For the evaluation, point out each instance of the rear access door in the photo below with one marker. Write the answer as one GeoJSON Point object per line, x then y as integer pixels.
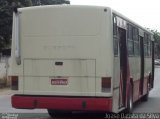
{"type": "Point", "coordinates": [142, 65]}
{"type": "Point", "coordinates": [70, 77]}
{"type": "Point", "coordinates": [123, 66]}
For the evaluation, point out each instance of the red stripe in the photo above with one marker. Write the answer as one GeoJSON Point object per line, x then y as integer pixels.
{"type": "Point", "coordinates": [62, 103]}
{"type": "Point", "coordinates": [145, 86]}
{"type": "Point", "coordinates": [136, 90]}
{"type": "Point", "coordinates": [121, 86]}
{"type": "Point", "coordinates": [137, 86]}
{"type": "Point", "coordinates": [146, 89]}
{"type": "Point", "coordinates": [128, 81]}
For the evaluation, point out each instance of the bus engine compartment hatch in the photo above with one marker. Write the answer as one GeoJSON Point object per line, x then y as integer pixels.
{"type": "Point", "coordinates": [68, 77]}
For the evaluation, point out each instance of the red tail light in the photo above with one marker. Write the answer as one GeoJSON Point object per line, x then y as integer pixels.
{"type": "Point", "coordinates": [14, 82]}
{"type": "Point", "coordinates": [106, 84]}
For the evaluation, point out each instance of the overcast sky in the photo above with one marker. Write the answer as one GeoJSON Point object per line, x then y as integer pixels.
{"type": "Point", "coordinates": [144, 12]}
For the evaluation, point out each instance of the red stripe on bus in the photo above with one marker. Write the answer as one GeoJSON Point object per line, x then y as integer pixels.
{"type": "Point", "coordinates": [137, 86]}
{"type": "Point", "coordinates": [145, 86]}
{"type": "Point", "coordinates": [146, 89]}
{"type": "Point", "coordinates": [121, 86]}
{"type": "Point", "coordinates": [62, 103]}
{"type": "Point", "coordinates": [136, 90]}
{"type": "Point", "coordinates": [128, 82]}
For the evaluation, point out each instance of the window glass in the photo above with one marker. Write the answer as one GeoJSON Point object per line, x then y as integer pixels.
{"type": "Point", "coordinates": [145, 38]}
{"type": "Point", "coordinates": [115, 46]}
{"type": "Point", "coordinates": [115, 39]}
{"type": "Point", "coordinates": [114, 26]}
{"type": "Point", "coordinates": [145, 50]}
{"type": "Point", "coordinates": [130, 44]}
{"type": "Point", "coordinates": [147, 45]}
{"type": "Point", "coordinates": [135, 34]}
{"type": "Point", "coordinates": [136, 48]}
{"type": "Point", "coordinates": [133, 40]}
{"type": "Point", "coordinates": [130, 47]}
{"type": "Point", "coordinates": [129, 32]}
{"type": "Point", "coordinates": [150, 48]}
{"type": "Point", "coordinates": [149, 51]}
{"type": "Point", "coordinates": [136, 41]}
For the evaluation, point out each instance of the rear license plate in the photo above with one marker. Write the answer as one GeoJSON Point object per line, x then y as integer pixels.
{"type": "Point", "coordinates": [59, 81]}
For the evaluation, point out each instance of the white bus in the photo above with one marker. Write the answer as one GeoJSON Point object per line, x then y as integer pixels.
{"type": "Point", "coordinates": [79, 58]}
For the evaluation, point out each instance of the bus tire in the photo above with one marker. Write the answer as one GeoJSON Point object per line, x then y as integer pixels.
{"type": "Point", "coordinates": [130, 101]}
{"type": "Point", "coordinates": [54, 113]}
{"type": "Point", "coordinates": [145, 97]}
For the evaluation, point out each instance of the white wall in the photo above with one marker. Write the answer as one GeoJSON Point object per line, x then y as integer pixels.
{"type": "Point", "coordinates": [4, 70]}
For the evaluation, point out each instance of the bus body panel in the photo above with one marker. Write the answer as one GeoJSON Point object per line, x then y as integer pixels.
{"type": "Point", "coordinates": [73, 77]}
{"type": "Point", "coordinates": [72, 35]}
{"type": "Point", "coordinates": [67, 56]}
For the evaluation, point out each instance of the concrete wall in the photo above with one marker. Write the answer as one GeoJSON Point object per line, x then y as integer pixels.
{"type": "Point", "coordinates": [4, 67]}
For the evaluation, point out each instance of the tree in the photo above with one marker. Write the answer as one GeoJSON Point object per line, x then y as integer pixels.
{"type": "Point", "coordinates": [6, 13]}
{"type": "Point", "coordinates": [5, 23]}
{"type": "Point", "coordinates": [49, 2]}
{"type": "Point", "coordinates": [156, 36]}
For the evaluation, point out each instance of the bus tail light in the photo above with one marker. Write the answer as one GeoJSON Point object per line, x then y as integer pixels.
{"type": "Point", "coordinates": [14, 82]}
{"type": "Point", "coordinates": [106, 84]}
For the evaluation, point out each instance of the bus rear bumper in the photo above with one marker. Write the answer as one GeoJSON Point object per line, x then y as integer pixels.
{"type": "Point", "coordinates": [61, 103]}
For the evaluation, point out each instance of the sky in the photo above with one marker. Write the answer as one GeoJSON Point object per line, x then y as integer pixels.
{"type": "Point", "coordinates": [144, 12]}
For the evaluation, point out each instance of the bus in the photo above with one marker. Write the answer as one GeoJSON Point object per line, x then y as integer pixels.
{"type": "Point", "coordinates": [79, 58]}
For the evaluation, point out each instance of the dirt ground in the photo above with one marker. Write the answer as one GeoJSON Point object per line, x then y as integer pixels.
{"type": "Point", "coordinates": [5, 91]}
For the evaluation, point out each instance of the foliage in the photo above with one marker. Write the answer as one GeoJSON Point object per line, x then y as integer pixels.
{"type": "Point", "coordinates": [5, 23]}
{"type": "Point", "coordinates": [6, 12]}
{"type": "Point", "coordinates": [157, 43]}
{"type": "Point", "coordinates": [49, 2]}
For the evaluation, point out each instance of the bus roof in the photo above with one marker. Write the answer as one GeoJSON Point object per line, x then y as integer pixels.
{"type": "Point", "coordinates": [85, 6]}
{"type": "Point", "coordinates": [129, 20]}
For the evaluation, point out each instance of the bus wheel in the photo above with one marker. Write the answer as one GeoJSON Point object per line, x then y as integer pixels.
{"type": "Point", "coordinates": [130, 101]}
{"type": "Point", "coordinates": [145, 97]}
{"type": "Point", "coordinates": [53, 113]}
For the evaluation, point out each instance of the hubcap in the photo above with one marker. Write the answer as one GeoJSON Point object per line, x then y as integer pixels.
{"type": "Point", "coordinates": [130, 102]}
